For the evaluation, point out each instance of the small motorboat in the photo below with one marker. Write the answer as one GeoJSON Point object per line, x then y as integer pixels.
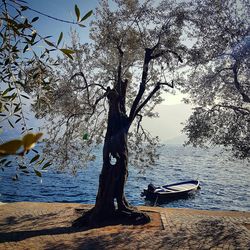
{"type": "Point", "coordinates": [171, 191]}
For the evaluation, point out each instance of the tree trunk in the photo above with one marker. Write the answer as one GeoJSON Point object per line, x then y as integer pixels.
{"type": "Point", "coordinates": [115, 163]}
{"type": "Point", "coordinates": [114, 170]}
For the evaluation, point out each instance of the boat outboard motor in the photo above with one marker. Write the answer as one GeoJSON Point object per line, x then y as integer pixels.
{"type": "Point", "coordinates": [151, 187]}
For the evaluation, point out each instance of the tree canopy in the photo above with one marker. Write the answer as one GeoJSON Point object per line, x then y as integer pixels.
{"type": "Point", "coordinates": [78, 101]}
{"type": "Point", "coordinates": [218, 76]}
{"type": "Point", "coordinates": [208, 60]}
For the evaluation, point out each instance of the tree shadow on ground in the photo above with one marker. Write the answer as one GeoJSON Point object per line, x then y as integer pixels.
{"type": "Point", "coordinates": [206, 234]}
{"type": "Point", "coordinates": [118, 240]}
{"type": "Point", "coordinates": [17, 228]}
{"type": "Point", "coordinates": [25, 234]}
{"type": "Point", "coordinates": [14, 229]}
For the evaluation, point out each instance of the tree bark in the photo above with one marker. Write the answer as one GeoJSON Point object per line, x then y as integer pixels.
{"type": "Point", "coordinates": [115, 163]}
{"type": "Point", "coordinates": [114, 170]}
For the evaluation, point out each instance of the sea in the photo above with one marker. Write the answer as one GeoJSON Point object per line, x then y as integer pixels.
{"type": "Point", "coordinates": [224, 181]}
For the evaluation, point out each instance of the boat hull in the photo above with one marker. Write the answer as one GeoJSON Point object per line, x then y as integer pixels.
{"type": "Point", "coordinates": [175, 191]}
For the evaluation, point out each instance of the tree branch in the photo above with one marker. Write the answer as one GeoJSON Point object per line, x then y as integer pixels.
{"type": "Point", "coordinates": [156, 88]}
{"type": "Point", "coordinates": [85, 80]}
{"type": "Point", "coordinates": [147, 58]}
{"type": "Point", "coordinates": [163, 28]}
{"type": "Point", "coordinates": [86, 83]}
{"type": "Point", "coordinates": [167, 84]}
{"type": "Point", "coordinates": [119, 70]}
{"type": "Point", "coordinates": [97, 101]}
{"type": "Point", "coordinates": [238, 86]}
{"type": "Point", "coordinates": [161, 53]}
{"type": "Point", "coordinates": [243, 111]}
{"type": "Point", "coordinates": [139, 122]}
{"type": "Point", "coordinates": [87, 88]}
{"type": "Point", "coordinates": [43, 14]}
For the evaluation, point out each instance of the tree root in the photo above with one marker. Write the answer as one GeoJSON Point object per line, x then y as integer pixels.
{"type": "Point", "coordinates": [125, 217]}
{"type": "Point", "coordinates": [132, 217]}
{"type": "Point", "coordinates": [84, 220]}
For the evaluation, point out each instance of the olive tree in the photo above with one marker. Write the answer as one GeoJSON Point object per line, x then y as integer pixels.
{"type": "Point", "coordinates": [218, 76]}
{"type": "Point", "coordinates": [103, 94]}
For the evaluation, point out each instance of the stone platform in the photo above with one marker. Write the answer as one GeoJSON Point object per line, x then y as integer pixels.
{"type": "Point", "coordinates": [32, 225]}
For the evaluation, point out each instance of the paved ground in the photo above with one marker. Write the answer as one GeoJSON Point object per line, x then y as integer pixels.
{"type": "Point", "coordinates": [28, 225]}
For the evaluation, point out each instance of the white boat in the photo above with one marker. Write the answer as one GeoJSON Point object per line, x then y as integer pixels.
{"type": "Point", "coordinates": [171, 191]}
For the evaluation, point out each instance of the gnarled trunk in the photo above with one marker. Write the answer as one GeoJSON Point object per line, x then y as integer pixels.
{"type": "Point", "coordinates": [115, 163]}
{"type": "Point", "coordinates": [114, 171]}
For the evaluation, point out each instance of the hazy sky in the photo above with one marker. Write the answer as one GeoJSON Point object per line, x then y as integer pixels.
{"type": "Point", "coordinates": [168, 126]}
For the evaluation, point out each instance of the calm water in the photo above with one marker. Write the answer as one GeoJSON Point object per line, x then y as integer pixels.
{"type": "Point", "coordinates": [224, 183]}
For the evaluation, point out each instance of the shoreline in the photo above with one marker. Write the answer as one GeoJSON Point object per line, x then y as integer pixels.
{"type": "Point", "coordinates": [141, 206]}
{"type": "Point", "coordinates": [40, 225]}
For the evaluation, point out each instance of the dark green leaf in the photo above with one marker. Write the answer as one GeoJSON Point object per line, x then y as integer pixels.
{"type": "Point", "coordinates": [13, 96]}
{"type": "Point", "coordinates": [22, 166]}
{"type": "Point", "coordinates": [68, 52]}
{"type": "Point", "coordinates": [25, 48]}
{"type": "Point", "coordinates": [39, 174]}
{"type": "Point", "coordinates": [34, 150]}
{"type": "Point", "coordinates": [40, 162]}
{"type": "Point", "coordinates": [82, 25]}
{"type": "Point", "coordinates": [46, 165]}
{"type": "Point", "coordinates": [3, 161]}
{"type": "Point", "coordinates": [34, 19]}
{"type": "Point", "coordinates": [18, 120]}
{"type": "Point", "coordinates": [49, 43]}
{"type": "Point", "coordinates": [6, 91]}
{"type": "Point", "coordinates": [60, 38]}
{"type": "Point", "coordinates": [85, 136]}
{"type": "Point", "coordinates": [11, 124]}
{"type": "Point", "coordinates": [36, 157]}
{"type": "Point", "coordinates": [35, 75]}
{"type": "Point", "coordinates": [6, 61]}
{"type": "Point", "coordinates": [87, 15]}
{"type": "Point", "coordinates": [23, 8]}
{"type": "Point", "coordinates": [6, 107]}
{"type": "Point", "coordinates": [25, 96]}
{"type": "Point", "coordinates": [17, 108]}
{"type": "Point", "coordinates": [7, 164]}
{"type": "Point", "coordinates": [77, 11]}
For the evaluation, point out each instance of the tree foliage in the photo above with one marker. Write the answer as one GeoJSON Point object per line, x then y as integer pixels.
{"type": "Point", "coordinates": [122, 38]}
{"type": "Point", "coordinates": [25, 57]}
{"type": "Point", "coordinates": [203, 52]}
{"type": "Point", "coordinates": [218, 76]}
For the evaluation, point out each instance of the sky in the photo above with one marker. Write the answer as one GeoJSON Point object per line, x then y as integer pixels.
{"type": "Point", "coordinates": [62, 9]}
{"type": "Point", "coordinates": [169, 124]}
{"type": "Point", "coordinates": [171, 113]}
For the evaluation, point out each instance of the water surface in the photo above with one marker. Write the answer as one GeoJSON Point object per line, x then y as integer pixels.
{"type": "Point", "coordinates": [224, 182]}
